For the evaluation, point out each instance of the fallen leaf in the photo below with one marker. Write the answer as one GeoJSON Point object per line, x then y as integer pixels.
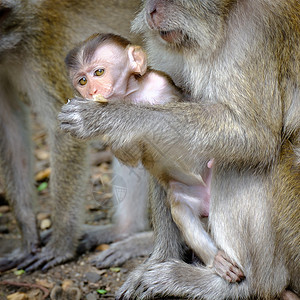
{"type": "Point", "coordinates": [115, 269]}
{"type": "Point", "coordinates": [102, 247]}
{"type": "Point", "coordinates": [42, 175]}
{"type": "Point", "coordinates": [42, 186]}
{"type": "Point", "coordinates": [102, 292]}
{"type": "Point", "coordinates": [17, 296]}
{"type": "Point", "coordinates": [35, 295]}
{"type": "Point", "coordinates": [45, 283]}
{"type": "Point", "coordinates": [67, 283]}
{"type": "Point", "coordinates": [19, 272]}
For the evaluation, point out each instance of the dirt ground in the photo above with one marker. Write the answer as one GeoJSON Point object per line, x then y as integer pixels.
{"type": "Point", "coordinates": [87, 280]}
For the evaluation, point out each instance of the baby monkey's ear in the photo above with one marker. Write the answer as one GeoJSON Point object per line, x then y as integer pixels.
{"type": "Point", "coordinates": [138, 59]}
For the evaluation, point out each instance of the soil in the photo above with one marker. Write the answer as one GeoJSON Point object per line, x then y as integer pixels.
{"type": "Point", "coordinates": [87, 280]}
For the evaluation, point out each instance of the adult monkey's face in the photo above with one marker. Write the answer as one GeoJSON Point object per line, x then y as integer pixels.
{"type": "Point", "coordinates": [182, 23]}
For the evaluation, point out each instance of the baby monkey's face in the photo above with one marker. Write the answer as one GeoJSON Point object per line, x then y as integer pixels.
{"type": "Point", "coordinates": [99, 76]}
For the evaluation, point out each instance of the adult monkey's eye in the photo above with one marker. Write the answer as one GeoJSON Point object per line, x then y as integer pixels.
{"type": "Point", "coordinates": [82, 81]}
{"type": "Point", "coordinates": [99, 72]}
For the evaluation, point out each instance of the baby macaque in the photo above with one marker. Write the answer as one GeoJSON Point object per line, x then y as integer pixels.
{"type": "Point", "coordinates": [106, 67]}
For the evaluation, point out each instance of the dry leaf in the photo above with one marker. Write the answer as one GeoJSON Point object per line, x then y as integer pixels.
{"type": "Point", "coordinates": [43, 215]}
{"type": "Point", "coordinates": [45, 283]}
{"type": "Point", "coordinates": [42, 175]}
{"type": "Point", "coordinates": [35, 295]}
{"type": "Point", "coordinates": [17, 296]}
{"type": "Point", "coordinates": [102, 247]}
{"type": "Point", "coordinates": [67, 283]}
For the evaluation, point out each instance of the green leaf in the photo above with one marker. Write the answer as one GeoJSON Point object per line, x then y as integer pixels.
{"type": "Point", "coordinates": [19, 272]}
{"type": "Point", "coordinates": [102, 292]}
{"type": "Point", "coordinates": [42, 186]}
{"type": "Point", "coordinates": [115, 269]}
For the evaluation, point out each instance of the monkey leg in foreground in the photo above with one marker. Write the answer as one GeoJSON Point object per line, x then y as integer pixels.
{"type": "Point", "coordinates": [165, 274]}
{"type": "Point", "coordinates": [137, 285]}
{"type": "Point", "coordinates": [190, 207]}
{"type": "Point", "coordinates": [288, 224]}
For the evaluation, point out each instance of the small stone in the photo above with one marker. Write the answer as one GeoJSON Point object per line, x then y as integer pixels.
{"type": "Point", "coordinates": [45, 224]}
{"type": "Point", "coordinates": [93, 286]}
{"type": "Point", "coordinates": [42, 155]}
{"type": "Point", "coordinates": [4, 209]}
{"type": "Point", "coordinates": [57, 275]}
{"type": "Point", "coordinates": [92, 277]}
{"type": "Point", "coordinates": [91, 296]}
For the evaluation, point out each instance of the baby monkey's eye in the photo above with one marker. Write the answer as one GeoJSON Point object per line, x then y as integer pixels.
{"type": "Point", "coordinates": [82, 81]}
{"type": "Point", "coordinates": [99, 72]}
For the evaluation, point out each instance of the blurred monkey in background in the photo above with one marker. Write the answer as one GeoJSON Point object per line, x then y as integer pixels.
{"type": "Point", "coordinates": [35, 37]}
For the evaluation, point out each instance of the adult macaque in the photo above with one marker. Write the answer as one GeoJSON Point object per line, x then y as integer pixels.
{"type": "Point", "coordinates": [107, 66]}
{"type": "Point", "coordinates": [240, 62]}
{"type": "Point", "coordinates": [35, 37]}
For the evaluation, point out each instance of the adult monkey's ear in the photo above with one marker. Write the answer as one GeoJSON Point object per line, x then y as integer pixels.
{"type": "Point", "coordinates": [138, 59]}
